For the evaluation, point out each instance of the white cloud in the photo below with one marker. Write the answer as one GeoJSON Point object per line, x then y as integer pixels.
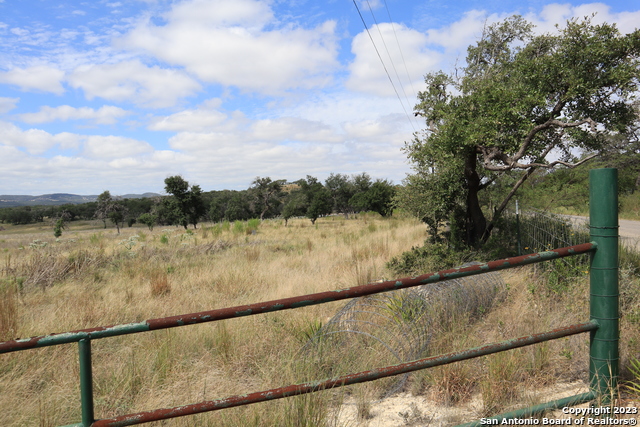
{"type": "Point", "coordinates": [558, 14]}
{"type": "Point", "coordinates": [293, 129]}
{"type": "Point", "coordinates": [134, 82]}
{"type": "Point", "coordinates": [114, 147]}
{"type": "Point", "coordinates": [35, 141]}
{"type": "Point", "coordinates": [198, 120]}
{"type": "Point", "coordinates": [464, 32]}
{"type": "Point", "coordinates": [227, 42]}
{"type": "Point", "coordinates": [42, 78]}
{"type": "Point", "coordinates": [7, 104]}
{"type": "Point", "coordinates": [369, 76]}
{"type": "Point", "coordinates": [106, 114]}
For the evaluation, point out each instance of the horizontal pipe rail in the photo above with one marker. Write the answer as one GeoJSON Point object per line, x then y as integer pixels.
{"type": "Point", "coordinates": [375, 374]}
{"type": "Point", "coordinates": [290, 303]}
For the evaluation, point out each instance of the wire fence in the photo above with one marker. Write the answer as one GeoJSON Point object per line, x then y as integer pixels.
{"type": "Point", "coordinates": [536, 230]}
{"type": "Point", "coordinates": [398, 326]}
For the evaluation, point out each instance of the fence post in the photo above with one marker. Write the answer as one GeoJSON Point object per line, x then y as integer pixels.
{"type": "Point", "coordinates": [604, 353]}
{"type": "Point", "coordinates": [86, 382]}
{"type": "Point", "coordinates": [518, 228]}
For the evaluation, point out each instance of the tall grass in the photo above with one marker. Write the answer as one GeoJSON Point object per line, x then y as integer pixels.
{"type": "Point", "coordinates": [94, 279]}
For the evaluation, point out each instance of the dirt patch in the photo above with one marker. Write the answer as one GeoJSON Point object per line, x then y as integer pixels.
{"type": "Point", "coordinates": [405, 409]}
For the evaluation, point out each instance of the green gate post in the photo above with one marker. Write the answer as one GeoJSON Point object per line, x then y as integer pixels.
{"type": "Point", "coordinates": [604, 355]}
{"type": "Point", "coordinates": [86, 382]}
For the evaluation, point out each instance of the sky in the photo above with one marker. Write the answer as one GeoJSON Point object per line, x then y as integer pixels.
{"type": "Point", "coordinates": [119, 95]}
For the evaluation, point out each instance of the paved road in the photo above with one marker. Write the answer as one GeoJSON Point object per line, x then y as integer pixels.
{"type": "Point", "coordinates": [629, 230]}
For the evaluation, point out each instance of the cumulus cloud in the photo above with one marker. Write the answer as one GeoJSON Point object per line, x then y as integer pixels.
{"type": "Point", "coordinates": [236, 43]}
{"type": "Point", "coordinates": [7, 104]}
{"type": "Point", "coordinates": [558, 14]}
{"type": "Point", "coordinates": [112, 147]}
{"type": "Point", "coordinates": [196, 120]}
{"type": "Point", "coordinates": [134, 82]}
{"type": "Point", "coordinates": [106, 114]}
{"type": "Point", "coordinates": [40, 78]}
{"type": "Point", "coordinates": [368, 75]}
{"type": "Point", "coordinates": [293, 129]}
{"type": "Point", "coordinates": [35, 141]}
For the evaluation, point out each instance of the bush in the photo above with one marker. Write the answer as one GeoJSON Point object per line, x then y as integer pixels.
{"type": "Point", "coordinates": [428, 258]}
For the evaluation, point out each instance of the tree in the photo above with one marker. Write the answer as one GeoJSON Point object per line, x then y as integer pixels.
{"type": "Point", "coordinates": [186, 207]}
{"type": "Point", "coordinates": [267, 194]}
{"type": "Point", "coordinates": [104, 206]}
{"type": "Point", "coordinates": [110, 208]}
{"type": "Point", "coordinates": [117, 214]}
{"type": "Point", "coordinates": [294, 205]}
{"type": "Point", "coordinates": [519, 98]}
{"type": "Point", "coordinates": [378, 198]}
{"type": "Point", "coordinates": [342, 189]}
{"type": "Point", "coordinates": [148, 219]}
{"type": "Point", "coordinates": [318, 198]}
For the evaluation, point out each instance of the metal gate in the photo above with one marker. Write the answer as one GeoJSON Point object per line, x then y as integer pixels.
{"type": "Point", "coordinates": [603, 325]}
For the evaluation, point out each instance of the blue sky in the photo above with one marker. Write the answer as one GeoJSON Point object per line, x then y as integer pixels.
{"type": "Point", "coordinates": [119, 95]}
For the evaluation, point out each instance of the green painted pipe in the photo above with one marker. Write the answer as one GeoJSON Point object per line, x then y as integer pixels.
{"type": "Point", "coordinates": [86, 382]}
{"type": "Point", "coordinates": [604, 352]}
{"type": "Point", "coordinates": [534, 410]}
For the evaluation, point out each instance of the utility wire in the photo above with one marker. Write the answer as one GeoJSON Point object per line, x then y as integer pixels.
{"type": "Point", "coordinates": [406, 69]}
{"type": "Point", "coordinates": [383, 66]}
{"type": "Point", "coordinates": [406, 97]}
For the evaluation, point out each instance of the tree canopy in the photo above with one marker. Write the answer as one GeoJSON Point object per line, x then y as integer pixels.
{"type": "Point", "coordinates": [186, 207]}
{"type": "Point", "coordinates": [520, 98]}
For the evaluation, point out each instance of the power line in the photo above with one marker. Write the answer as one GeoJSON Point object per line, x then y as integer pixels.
{"type": "Point", "coordinates": [388, 53]}
{"type": "Point", "coordinates": [400, 49]}
{"type": "Point", "coordinates": [383, 66]}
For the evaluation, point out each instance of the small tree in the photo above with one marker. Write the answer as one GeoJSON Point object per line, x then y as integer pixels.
{"type": "Point", "coordinates": [318, 198]}
{"type": "Point", "coordinates": [295, 205]}
{"type": "Point", "coordinates": [112, 209]}
{"type": "Point", "coordinates": [104, 206]}
{"type": "Point", "coordinates": [342, 189]}
{"type": "Point", "coordinates": [378, 198]}
{"type": "Point", "coordinates": [267, 194]}
{"type": "Point", "coordinates": [187, 206]}
{"type": "Point", "coordinates": [148, 219]}
{"type": "Point", "coordinates": [60, 223]}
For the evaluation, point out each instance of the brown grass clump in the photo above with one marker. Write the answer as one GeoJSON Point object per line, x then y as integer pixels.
{"type": "Point", "coordinates": [8, 310]}
{"type": "Point", "coordinates": [159, 284]}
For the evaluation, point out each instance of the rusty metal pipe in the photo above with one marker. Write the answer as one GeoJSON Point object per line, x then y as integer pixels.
{"type": "Point", "coordinates": [310, 387]}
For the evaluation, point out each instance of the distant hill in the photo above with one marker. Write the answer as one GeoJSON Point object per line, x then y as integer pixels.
{"type": "Point", "coordinates": [59, 199]}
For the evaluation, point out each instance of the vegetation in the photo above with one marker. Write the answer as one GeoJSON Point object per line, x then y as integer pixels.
{"type": "Point", "coordinates": [135, 276]}
{"type": "Point", "coordinates": [265, 198]}
{"type": "Point", "coordinates": [146, 274]}
{"type": "Point", "coordinates": [186, 206]}
{"type": "Point", "coordinates": [519, 98]}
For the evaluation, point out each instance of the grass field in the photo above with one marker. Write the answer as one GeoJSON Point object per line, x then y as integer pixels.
{"type": "Point", "coordinates": [95, 277]}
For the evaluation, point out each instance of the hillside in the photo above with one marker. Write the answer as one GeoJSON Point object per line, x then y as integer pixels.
{"type": "Point", "coordinates": [7, 201]}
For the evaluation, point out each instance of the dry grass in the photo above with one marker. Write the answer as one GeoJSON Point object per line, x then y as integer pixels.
{"type": "Point", "coordinates": [93, 277]}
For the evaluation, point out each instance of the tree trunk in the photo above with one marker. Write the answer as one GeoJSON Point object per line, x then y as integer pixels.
{"type": "Point", "coordinates": [476, 222]}
{"type": "Point", "coordinates": [505, 202]}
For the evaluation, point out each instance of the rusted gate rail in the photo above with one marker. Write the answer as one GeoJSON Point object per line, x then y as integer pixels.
{"type": "Point", "coordinates": [603, 325]}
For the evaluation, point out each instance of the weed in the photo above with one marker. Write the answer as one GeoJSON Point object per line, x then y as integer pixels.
{"type": "Point", "coordinates": [238, 227]}
{"type": "Point", "coordinates": [8, 310]}
{"type": "Point", "coordinates": [159, 284]}
{"type": "Point", "coordinates": [633, 386]}
{"type": "Point", "coordinates": [414, 416]}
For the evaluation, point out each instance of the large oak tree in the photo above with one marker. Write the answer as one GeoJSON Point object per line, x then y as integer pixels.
{"type": "Point", "coordinates": [520, 98]}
